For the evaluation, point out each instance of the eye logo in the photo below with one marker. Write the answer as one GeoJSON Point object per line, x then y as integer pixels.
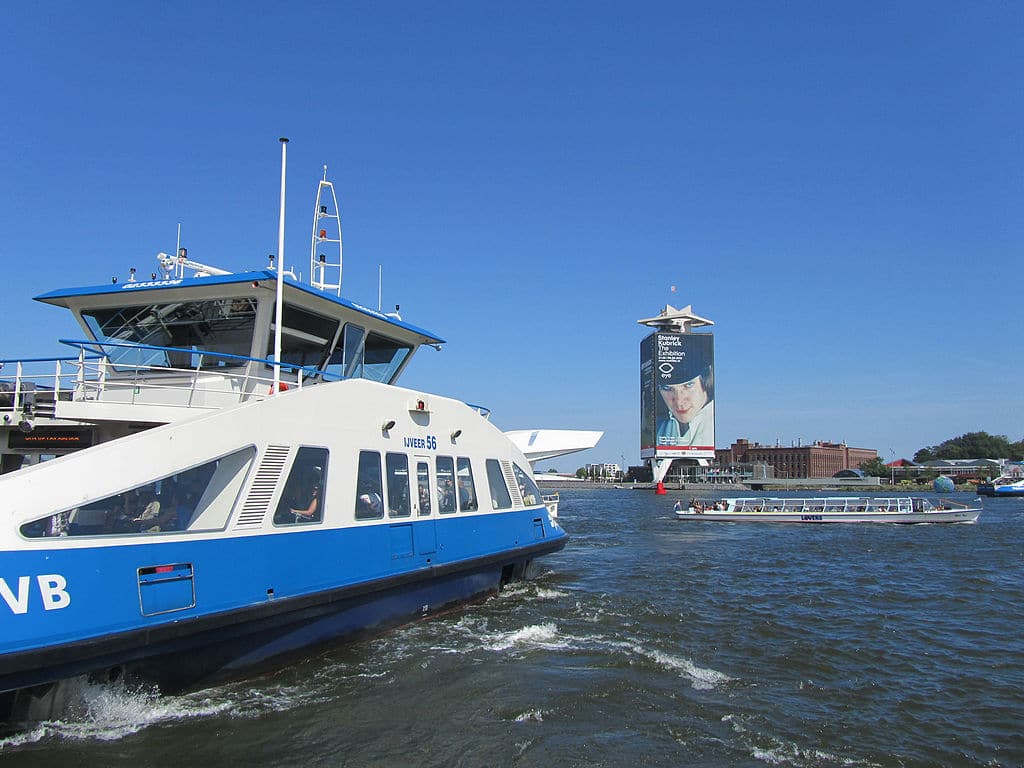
{"type": "Point", "coordinates": [666, 368]}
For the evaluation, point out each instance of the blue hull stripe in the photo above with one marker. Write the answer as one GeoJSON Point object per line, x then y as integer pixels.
{"type": "Point", "coordinates": [223, 641]}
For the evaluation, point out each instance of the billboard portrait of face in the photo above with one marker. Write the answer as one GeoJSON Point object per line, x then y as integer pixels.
{"type": "Point", "coordinates": [685, 404]}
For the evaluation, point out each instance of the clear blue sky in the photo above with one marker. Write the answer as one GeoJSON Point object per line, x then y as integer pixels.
{"type": "Point", "coordinates": [838, 186]}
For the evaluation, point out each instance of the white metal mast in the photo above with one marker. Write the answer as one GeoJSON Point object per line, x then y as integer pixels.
{"type": "Point", "coordinates": [280, 276]}
{"type": "Point", "coordinates": [324, 270]}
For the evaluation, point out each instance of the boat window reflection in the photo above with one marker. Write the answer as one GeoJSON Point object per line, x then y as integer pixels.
{"type": "Point", "coordinates": [466, 487]}
{"type": "Point", "coordinates": [306, 337]}
{"type": "Point", "coordinates": [217, 325]}
{"type": "Point", "coordinates": [445, 470]}
{"type": "Point", "coordinates": [527, 487]}
{"type": "Point", "coordinates": [500, 498]}
{"type": "Point", "coordinates": [197, 499]}
{"type": "Point", "coordinates": [398, 485]}
{"type": "Point", "coordinates": [369, 491]}
{"type": "Point", "coordinates": [383, 358]}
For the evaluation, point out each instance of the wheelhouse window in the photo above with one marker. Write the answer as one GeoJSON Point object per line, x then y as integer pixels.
{"type": "Point", "coordinates": [196, 499]}
{"type": "Point", "coordinates": [306, 338]}
{"type": "Point", "coordinates": [353, 352]}
{"type": "Point", "coordinates": [302, 500]}
{"type": "Point", "coordinates": [398, 485]}
{"type": "Point", "coordinates": [368, 356]}
{"type": "Point", "coordinates": [527, 487]}
{"type": "Point", "coordinates": [193, 327]}
{"type": "Point", "coordinates": [466, 487]}
{"type": "Point", "coordinates": [444, 468]}
{"type": "Point", "coordinates": [369, 491]}
{"type": "Point", "coordinates": [500, 498]}
{"type": "Point", "coordinates": [383, 358]}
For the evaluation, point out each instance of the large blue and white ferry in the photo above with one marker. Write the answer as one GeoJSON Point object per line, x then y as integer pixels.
{"type": "Point", "coordinates": [1009, 483]}
{"type": "Point", "coordinates": [236, 475]}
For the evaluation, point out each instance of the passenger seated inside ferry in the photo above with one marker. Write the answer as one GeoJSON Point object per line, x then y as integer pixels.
{"type": "Point", "coordinates": [370, 504]}
{"type": "Point", "coordinates": [310, 499]}
{"type": "Point", "coordinates": [445, 496]}
{"type": "Point", "coordinates": [369, 489]}
{"type": "Point", "coordinates": [300, 502]}
{"type": "Point", "coordinates": [150, 510]}
{"type": "Point", "coordinates": [174, 514]}
{"type": "Point", "coordinates": [302, 499]}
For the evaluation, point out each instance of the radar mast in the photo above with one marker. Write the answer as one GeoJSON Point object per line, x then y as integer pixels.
{"type": "Point", "coordinates": [324, 261]}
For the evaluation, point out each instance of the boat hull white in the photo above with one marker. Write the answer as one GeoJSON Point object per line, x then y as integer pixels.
{"type": "Point", "coordinates": [943, 516]}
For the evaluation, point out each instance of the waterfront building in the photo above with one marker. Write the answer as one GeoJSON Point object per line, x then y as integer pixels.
{"type": "Point", "coordinates": [603, 471]}
{"type": "Point", "coordinates": [818, 459]}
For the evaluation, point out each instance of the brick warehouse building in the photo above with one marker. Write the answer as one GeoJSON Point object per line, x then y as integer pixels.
{"type": "Point", "coordinates": [820, 459]}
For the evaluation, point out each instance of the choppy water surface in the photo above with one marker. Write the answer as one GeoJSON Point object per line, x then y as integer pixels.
{"type": "Point", "coordinates": [646, 642]}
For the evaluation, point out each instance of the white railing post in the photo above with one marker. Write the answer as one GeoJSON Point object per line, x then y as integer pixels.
{"type": "Point", "coordinates": [103, 376]}
{"type": "Point", "coordinates": [17, 387]}
{"type": "Point", "coordinates": [80, 376]}
{"type": "Point", "coordinates": [195, 379]}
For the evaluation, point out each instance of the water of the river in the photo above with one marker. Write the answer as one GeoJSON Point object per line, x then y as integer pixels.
{"type": "Point", "coordinates": [646, 642]}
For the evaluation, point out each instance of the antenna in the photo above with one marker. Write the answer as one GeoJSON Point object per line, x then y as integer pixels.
{"type": "Point", "coordinates": [380, 282]}
{"type": "Point", "coordinates": [177, 249]}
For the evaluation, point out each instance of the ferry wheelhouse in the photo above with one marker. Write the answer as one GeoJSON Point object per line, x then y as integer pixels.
{"type": "Point", "coordinates": [213, 504]}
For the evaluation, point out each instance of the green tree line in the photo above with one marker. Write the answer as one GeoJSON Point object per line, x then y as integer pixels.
{"type": "Point", "coordinates": [973, 445]}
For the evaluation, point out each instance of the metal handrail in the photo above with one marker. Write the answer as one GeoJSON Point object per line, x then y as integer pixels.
{"type": "Point", "coordinates": [308, 371]}
{"type": "Point", "coordinates": [93, 372]}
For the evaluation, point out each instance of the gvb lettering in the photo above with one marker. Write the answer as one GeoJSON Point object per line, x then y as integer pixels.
{"type": "Point", "coordinates": [53, 593]}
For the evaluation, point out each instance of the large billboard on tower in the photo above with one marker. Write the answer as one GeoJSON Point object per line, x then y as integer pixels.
{"type": "Point", "coordinates": [677, 396]}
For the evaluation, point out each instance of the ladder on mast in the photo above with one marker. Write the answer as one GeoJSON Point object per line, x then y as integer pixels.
{"type": "Point", "coordinates": [324, 270]}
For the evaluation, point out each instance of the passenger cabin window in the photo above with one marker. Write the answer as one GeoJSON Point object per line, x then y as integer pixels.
{"type": "Point", "coordinates": [527, 487]}
{"type": "Point", "coordinates": [197, 499]}
{"type": "Point", "coordinates": [444, 468]}
{"type": "Point", "coordinates": [302, 500]}
{"type": "Point", "coordinates": [369, 491]}
{"type": "Point", "coordinates": [306, 338]}
{"type": "Point", "coordinates": [398, 485]}
{"type": "Point", "coordinates": [191, 327]}
{"type": "Point", "coordinates": [467, 488]}
{"type": "Point", "coordinates": [423, 504]}
{"type": "Point", "coordinates": [500, 498]}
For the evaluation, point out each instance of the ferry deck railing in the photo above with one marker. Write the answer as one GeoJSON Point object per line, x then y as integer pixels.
{"type": "Point", "coordinates": [32, 388]}
{"type": "Point", "coordinates": [100, 372]}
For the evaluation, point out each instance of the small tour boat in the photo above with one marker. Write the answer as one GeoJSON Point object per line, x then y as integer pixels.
{"type": "Point", "coordinates": [829, 509]}
{"type": "Point", "coordinates": [238, 477]}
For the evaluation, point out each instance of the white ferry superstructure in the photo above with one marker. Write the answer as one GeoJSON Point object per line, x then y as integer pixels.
{"type": "Point", "coordinates": [210, 509]}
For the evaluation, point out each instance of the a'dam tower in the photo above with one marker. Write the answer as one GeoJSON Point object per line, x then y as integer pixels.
{"type": "Point", "coordinates": [677, 392]}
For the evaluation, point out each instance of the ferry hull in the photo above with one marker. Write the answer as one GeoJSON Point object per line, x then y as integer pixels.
{"type": "Point", "coordinates": [184, 654]}
{"type": "Point", "coordinates": [1000, 490]}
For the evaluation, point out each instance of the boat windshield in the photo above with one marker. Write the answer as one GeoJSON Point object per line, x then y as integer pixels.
{"type": "Point", "coordinates": [371, 356]}
{"type": "Point", "coordinates": [217, 325]}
